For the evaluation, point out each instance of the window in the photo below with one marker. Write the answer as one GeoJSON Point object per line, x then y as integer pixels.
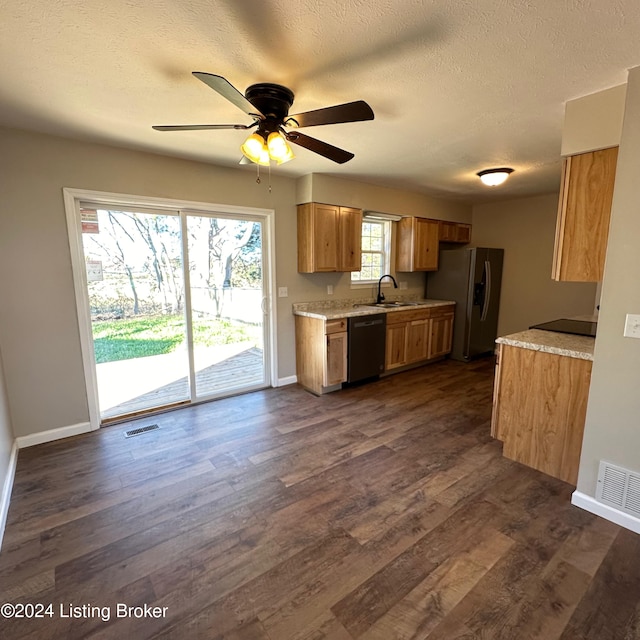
{"type": "Point", "coordinates": [376, 251]}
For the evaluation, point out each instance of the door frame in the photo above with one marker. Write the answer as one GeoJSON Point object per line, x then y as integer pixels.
{"type": "Point", "coordinates": [72, 199]}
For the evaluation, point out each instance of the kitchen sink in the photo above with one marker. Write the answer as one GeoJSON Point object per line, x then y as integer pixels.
{"type": "Point", "coordinates": [393, 305]}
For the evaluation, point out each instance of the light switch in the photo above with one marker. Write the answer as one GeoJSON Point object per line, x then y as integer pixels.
{"type": "Point", "coordinates": [330, 289]}
{"type": "Point", "coordinates": [283, 292]}
{"type": "Point", "coordinates": [632, 326]}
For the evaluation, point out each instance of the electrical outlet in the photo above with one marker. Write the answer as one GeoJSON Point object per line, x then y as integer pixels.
{"type": "Point", "coordinates": [283, 292]}
{"type": "Point", "coordinates": [632, 326]}
{"type": "Point", "coordinates": [330, 289]}
{"type": "Point", "coordinates": [403, 284]}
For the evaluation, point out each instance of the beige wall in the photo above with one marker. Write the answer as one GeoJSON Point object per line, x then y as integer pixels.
{"type": "Point", "coordinates": [348, 193]}
{"type": "Point", "coordinates": [525, 229]}
{"type": "Point", "coordinates": [594, 121]}
{"type": "Point", "coordinates": [38, 321]}
{"type": "Point", "coordinates": [612, 430]}
{"type": "Point", "coordinates": [6, 435]}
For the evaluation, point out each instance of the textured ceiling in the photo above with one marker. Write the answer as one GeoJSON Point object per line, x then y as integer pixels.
{"type": "Point", "coordinates": [456, 86]}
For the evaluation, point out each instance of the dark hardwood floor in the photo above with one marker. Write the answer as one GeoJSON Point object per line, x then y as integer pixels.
{"type": "Point", "coordinates": [383, 511]}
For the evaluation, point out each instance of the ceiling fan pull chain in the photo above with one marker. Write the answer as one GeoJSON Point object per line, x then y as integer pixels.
{"type": "Point", "coordinates": [269, 177]}
{"type": "Point", "coordinates": [258, 178]}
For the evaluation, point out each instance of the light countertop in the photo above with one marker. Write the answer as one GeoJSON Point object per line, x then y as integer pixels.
{"type": "Point", "coordinates": [562, 344]}
{"type": "Point", "coordinates": [331, 310]}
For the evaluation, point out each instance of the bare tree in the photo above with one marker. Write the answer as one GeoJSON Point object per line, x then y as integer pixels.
{"type": "Point", "coordinates": [214, 244]}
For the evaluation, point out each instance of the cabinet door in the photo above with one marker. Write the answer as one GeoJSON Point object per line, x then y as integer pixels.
{"type": "Point", "coordinates": [350, 239]}
{"type": "Point", "coordinates": [325, 237]}
{"type": "Point", "coordinates": [582, 228]}
{"type": "Point", "coordinates": [417, 244]}
{"type": "Point", "coordinates": [463, 233]}
{"type": "Point", "coordinates": [396, 348]}
{"type": "Point", "coordinates": [335, 370]}
{"type": "Point", "coordinates": [454, 232]}
{"type": "Point", "coordinates": [417, 341]}
{"type": "Point", "coordinates": [441, 332]}
{"type": "Point", "coordinates": [317, 237]}
{"type": "Point", "coordinates": [426, 245]}
{"type": "Point", "coordinates": [447, 231]}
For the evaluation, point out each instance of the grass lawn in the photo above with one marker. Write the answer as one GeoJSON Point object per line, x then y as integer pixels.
{"type": "Point", "coordinates": [152, 336]}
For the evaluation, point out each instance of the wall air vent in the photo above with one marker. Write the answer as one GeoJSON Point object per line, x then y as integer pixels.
{"type": "Point", "coordinates": [619, 488]}
{"type": "Point", "coordinates": [140, 431]}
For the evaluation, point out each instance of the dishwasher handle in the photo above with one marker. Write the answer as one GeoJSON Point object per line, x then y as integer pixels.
{"type": "Point", "coordinates": [367, 323]}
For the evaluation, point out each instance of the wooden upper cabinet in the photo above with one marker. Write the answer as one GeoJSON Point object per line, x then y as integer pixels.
{"type": "Point", "coordinates": [454, 232]}
{"type": "Point", "coordinates": [329, 238]}
{"type": "Point", "coordinates": [417, 244]}
{"type": "Point", "coordinates": [349, 239]}
{"type": "Point", "coordinates": [584, 210]}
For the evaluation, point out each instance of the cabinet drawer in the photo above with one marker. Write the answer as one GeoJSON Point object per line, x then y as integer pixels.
{"type": "Point", "coordinates": [438, 312]}
{"type": "Point", "coordinates": [396, 317]}
{"type": "Point", "coordinates": [335, 326]}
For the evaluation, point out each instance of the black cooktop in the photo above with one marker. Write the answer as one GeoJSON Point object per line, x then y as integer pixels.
{"type": "Point", "coordinates": [576, 327]}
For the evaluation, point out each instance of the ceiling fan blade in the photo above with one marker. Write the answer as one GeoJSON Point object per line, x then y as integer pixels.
{"type": "Point", "coordinates": [348, 112]}
{"type": "Point", "coordinates": [228, 91]}
{"type": "Point", "coordinates": [317, 146]}
{"type": "Point", "coordinates": [200, 127]}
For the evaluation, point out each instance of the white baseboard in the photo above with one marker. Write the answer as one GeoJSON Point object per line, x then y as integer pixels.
{"type": "Point", "coordinates": [612, 514]}
{"type": "Point", "coordinates": [7, 488]}
{"type": "Point", "coordinates": [53, 434]}
{"type": "Point", "coordinates": [283, 382]}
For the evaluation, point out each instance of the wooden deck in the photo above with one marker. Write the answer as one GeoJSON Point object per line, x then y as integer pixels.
{"type": "Point", "coordinates": [243, 370]}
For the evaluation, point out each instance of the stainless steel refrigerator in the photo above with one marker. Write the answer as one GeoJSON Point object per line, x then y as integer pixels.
{"type": "Point", "coordinates": [472, 278]}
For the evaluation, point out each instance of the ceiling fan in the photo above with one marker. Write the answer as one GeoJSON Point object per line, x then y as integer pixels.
{"type": "Point", "coordinates": [268, 105]}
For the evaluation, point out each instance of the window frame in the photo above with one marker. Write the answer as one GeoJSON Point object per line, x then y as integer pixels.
{"type": "Point", "coordinates": [387, 231]}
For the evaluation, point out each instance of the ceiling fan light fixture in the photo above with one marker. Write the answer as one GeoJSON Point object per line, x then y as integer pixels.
{"type": "Point", "coordinates": [494, 177]}
{"type": "Point", "coordinates": [254, 148]}
{"type": "Point", "coordinates": [279, 149]}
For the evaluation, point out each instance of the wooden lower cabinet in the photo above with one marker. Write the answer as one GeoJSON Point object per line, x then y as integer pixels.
{"type": "Point", "coordinates": [395, 346]}
{"type": "Point", "coordinates": [441, 333]}
{"type": "Point", "coordinates": [539, 409]}
{"type": "Point", "coordinates": [417, 340]}
{"type": "Point", "coordinates": [335, 364]}
{"type": "Point", "coordinates": [413, 336]}
{"type": "Point", "coordinates": [418, 335]}
{"type": "Point", "coordinates": [321, 353]}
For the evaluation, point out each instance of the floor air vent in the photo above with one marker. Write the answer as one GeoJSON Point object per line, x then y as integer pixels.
{"type": "Point", "coordinates": [619, 487]}
{"type": "Point", "coordinates": [140, 431]}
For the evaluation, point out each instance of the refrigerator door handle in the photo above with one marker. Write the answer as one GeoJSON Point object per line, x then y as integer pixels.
{"type": "Point", "coordinates": [487, 293]}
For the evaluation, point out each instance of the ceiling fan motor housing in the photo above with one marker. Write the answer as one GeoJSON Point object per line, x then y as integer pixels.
{"type": "Point", "coordinates": [272, 100]}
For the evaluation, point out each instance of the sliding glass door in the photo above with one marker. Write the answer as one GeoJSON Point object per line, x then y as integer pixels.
{"type": "Point", "coordinates": [176, 306]}
{"type": "Point", "coordinates": [226, 303]}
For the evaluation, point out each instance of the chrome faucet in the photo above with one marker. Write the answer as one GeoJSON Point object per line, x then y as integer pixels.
{"type": "Point", "coordinates": [380, 297]}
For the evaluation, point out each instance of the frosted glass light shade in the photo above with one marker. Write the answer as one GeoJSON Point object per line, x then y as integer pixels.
{"type": "Point", "coordinates": [255, 148]}
{"type": "Point", "coordinates": [494, 177]}
{"type": "Point", "coordinates": [279, 149]}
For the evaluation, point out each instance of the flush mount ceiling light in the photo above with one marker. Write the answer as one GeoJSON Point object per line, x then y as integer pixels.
{"type": "Point", "coordinates": [494, 177]}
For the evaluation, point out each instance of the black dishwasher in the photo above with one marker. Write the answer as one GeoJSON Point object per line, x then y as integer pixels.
{"type": "Point", "coordinates": [366, 346]}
